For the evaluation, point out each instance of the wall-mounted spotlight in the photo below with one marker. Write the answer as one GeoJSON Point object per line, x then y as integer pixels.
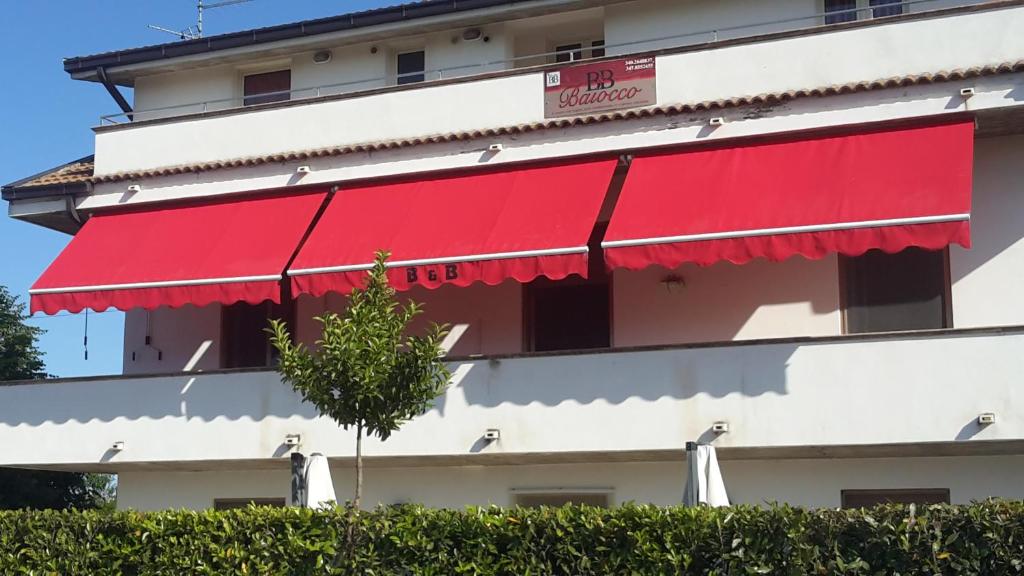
{"type": "Point", "coordinates": [720, 427]}
{"type": "Point", "coordinates": [117, 446]}
{"type": "Point", "coordinates": [471, 34]}
{"type": "Point", "coordinates": [135, 188]}
{"type": "Point", "coordinates": [292, 439]}
{"type": "Point", "coordinates": [717, 121]}
{"type": "Point", "coordinates": [303, 170]}
{"type": "Point", "coordinates": [986, 418]}
{"type": "Point", "coordinates": [967, 92]}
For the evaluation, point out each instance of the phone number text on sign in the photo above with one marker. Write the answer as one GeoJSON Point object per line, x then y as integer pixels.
{"type": "Point", "coordinates": [599, 87]}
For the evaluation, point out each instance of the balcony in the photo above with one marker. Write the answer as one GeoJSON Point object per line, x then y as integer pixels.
{"type": "Point", "coordinates": [687, 75]}
{"type": "Point", "coordinates": [799, 397]}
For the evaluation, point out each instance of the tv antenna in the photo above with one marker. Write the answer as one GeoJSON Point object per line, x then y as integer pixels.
{"type": "Point", "coordinates": [196, 32]}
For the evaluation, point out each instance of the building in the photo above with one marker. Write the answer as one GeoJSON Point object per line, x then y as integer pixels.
{"type": "Point", "coordinates": [802, 221]}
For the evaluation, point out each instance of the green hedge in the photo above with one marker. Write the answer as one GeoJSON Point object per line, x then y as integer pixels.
{"type": "Point", "coordinates": [985, 538]}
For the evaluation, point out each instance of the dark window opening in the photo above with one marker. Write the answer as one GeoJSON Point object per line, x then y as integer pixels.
{"type": "Point", "coordinates": [267, 87]}
{"type": "Point", "coordinates": [235, 503]}
{"type": "Point", "coordinates": [412, 67]}
{"type": "Point", "coordinates": [558, 499]}
{"type": "Point", "coordinates": [869, 498]}
{"type": "Point", "coordinates": [569, 52]}
{"type": "Point", "coordinates": [244, 341]}
{"type": "Point", "coordinates": [573, 313]}
{"type": "Point", "coordinates": [884, 292]}
{"type": "Point", "coordinates": [597, 49]}
{"type": "Point", "coordinates": [845, 11]}
{"type": "Point", "coordinates": [880, 8]}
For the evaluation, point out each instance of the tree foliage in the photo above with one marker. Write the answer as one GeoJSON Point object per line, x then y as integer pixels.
{"type": "Point", "coordinates": [366, 372]}
{"type": "Point", "coordinates": [21, 359]}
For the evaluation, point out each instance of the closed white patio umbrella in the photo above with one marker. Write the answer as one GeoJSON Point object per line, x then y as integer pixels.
{"type": "Point", "coordinates": [704, 484]}
{"type": "Point", "coordinates": [319, 485]}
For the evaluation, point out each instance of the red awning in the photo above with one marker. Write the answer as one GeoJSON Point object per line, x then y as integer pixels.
{"type": "Point", "coordinates": [197, 254]}
{"type": "Point", "coordinates": [885, 189]}
{"type": "Point", "coordinates": [516, 223]}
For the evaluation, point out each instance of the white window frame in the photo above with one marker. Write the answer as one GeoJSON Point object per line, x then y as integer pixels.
{"type": "Point", "coordinates": [863, 9]}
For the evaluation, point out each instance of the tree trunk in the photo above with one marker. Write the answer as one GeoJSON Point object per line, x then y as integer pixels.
{"type": "Point", "coordinates": [359, 466]}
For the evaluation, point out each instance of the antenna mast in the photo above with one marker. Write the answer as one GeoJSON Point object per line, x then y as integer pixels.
{"type": "Point", "coordinates": [189, 33]}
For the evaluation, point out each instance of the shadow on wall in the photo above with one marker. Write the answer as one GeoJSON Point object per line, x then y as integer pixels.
{"type": "Point", "coordinates": [997, 214]}
{"type": "Point", "coordinates": [615, 377]}
{"type": "Point", "coordinates": [254, 395]}
{"type": "Point", "coordinates": [611, 377]}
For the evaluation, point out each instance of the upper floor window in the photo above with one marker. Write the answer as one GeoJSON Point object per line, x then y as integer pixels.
{"type": "Point", "coordinates": [579, 51]}
{"type": "Point", "coordinates": [411, 67]}
{"type": "Point", "coordinates": [267, 87]}
{"type": "Point", "coordinates": [837, 11]}
{"type": "Point", "coordinates": [892, 292]}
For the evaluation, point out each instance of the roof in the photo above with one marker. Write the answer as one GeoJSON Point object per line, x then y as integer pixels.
{"type": "Point", "coordinates": [350, 21]}
{"type": "Point", "coordinates": [73, 177]}
{"type": "Point", "coordinates": [77, 176]}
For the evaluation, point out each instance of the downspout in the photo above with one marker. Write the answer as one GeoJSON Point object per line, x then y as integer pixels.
{"type": "Point", "coordinates": [101, 73]}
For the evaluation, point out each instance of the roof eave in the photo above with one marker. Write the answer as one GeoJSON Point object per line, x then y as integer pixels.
{"type": "Point", "coordinates": [12, 193]}
{"type": "Point", "coordinates": [84, 67]}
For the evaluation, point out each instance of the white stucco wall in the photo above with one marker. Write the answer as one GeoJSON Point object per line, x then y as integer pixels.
{"type": "Point", "coordinates": [683, 22]}
{"type": "Point", "coordinates": [811, 482]}
{"type": "Point", "coordinates": [493, 315]}
{"type": "Point", "coordinates": [836, 57]}
{"type": "Point", "coordinates": [786, 394]}
{"type": "Point", "coordinates": [189, 338]}
{"type": "Point", "coordinates": [988, 279]}
{"type": "Point", "coordinates": [760, 299]}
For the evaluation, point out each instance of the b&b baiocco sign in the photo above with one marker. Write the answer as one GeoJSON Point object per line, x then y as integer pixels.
{"type": "Point", "coordinates": [600, 87]}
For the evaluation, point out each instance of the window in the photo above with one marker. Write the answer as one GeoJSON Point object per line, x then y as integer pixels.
{"type": "Point", "coordinates": [411, 67]}
{"type": "Point", "coordinates": [868, 498]}
{"type": "Point", "coordinates": [244, 344]}
{"type": "Point", "coordinates": [837, 11]}
{"type": "Point", "coordinates": [267, 87]}
{"type": "Point", "coordinates": [846, 11]}
{"type": "Point", "coordinates": [572, 313]}
{"type": "Point", "coordinates": [235, 503]}
{"type": "Point", "coordinates": [537, 498]}
{"type": "Point", "coordinates": [880, 8]}
{"type": "Point", "coordinates": [574, 52]}
{"type": "Point", "coordinates": [883, 292]}
{"type": "Point", "coordinates": [569, 52]}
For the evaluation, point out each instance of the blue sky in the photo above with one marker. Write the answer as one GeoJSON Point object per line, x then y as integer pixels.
{"type": "Point", "coordinates": [46, 120]}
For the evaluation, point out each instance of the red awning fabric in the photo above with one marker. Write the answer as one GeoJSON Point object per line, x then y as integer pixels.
{"type": "Point", "coordinates": [223, 252]}
{"type": "Point", "coordinates": [886, 189]}
{"type": "Point", "coordinates": [486, 227]}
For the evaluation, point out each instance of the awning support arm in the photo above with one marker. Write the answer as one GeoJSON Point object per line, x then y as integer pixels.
{"type": "Point", "coordinates": [101, 73]}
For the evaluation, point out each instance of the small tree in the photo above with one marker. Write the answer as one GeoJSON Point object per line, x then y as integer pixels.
{"type": "Point", "coordinates": [365, 372]}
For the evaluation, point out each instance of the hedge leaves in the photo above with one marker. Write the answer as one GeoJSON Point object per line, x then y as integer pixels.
{"type": "Point", "coordinates": [984, 538]}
